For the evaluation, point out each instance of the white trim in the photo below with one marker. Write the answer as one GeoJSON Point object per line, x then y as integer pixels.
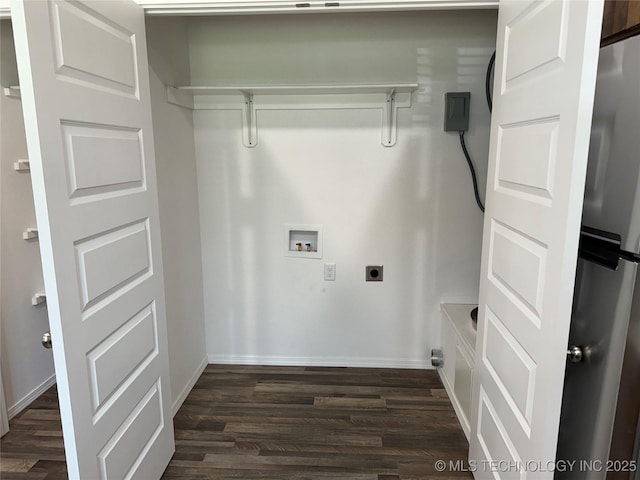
{"type": "Point", "coordinates": [30, 397]}
{"type": "Point", "coordinates": [244, 7]}
{"type": "Point", "coordinates": [461, 417]}
{"type": "Point", "coordinates": [177, 403]}
{"type": "Point", "coordinates": [4, 416]}
{"type": "Point", "coordinates": [320, 361]}
{"type": "Point", "coordinates": [240, 7]}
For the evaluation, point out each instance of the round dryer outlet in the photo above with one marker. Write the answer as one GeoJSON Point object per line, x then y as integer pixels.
{"type": "Point", "coordinates": [373, 273]}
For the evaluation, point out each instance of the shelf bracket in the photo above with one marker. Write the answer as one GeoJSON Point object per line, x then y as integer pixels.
{"type": "Point", "coordinates": [390, 114]}
{"type": "Point", "coordinates": [38, 299]}
{"type": "Point", "coordinates": [12, 92]}
{"type": "Point", "coordinates": [30, 233]}
{"type": "Point", "coordinates": [249, 127]}
{"type": "Point", "coordinates": [22, 166]}
{"type": "Point", "coordinates": [179, 97]}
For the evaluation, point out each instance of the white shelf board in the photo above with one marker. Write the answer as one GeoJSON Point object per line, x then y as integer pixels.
{"type": "Point", "coordinates": [12, 91]}
{"type": "Point", "coordinates": [245, 7]}
{"type": "Point", "coordinates": [22, 166]}
{"type": "Point", "coordinates": [251, 98]}
{"type": "Point", "coordinates": [38, 299]}
{"type": "Point", "coordinates": [30, 233]}
{"type": "Point", "coordinates": [299, 89]}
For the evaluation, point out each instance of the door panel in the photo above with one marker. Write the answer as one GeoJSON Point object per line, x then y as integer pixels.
{"type": "Point", "coordinates": [85, 93]}
{"type": "Point", "coordinates": [543, 96]}
{"type": "Point", "coordinates": [115, 67]}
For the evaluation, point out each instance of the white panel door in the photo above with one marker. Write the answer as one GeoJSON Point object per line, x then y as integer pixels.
{"type": "Point", "coordinates": [85, 93]}
{"type": "Point", "coordinates": [543, 99]}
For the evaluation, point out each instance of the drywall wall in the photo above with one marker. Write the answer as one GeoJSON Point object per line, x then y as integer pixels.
{"type": "Point", "coordinates": [167, 46]}
{"type": "Point", "coordinates": [410, 208]}
{"type": "Point", "coordinates": [27, 368]}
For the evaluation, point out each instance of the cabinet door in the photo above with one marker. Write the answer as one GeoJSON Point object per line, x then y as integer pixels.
{"type": "Point", "coordinates": [448, 340]}
{"type": "Point", "coordinates": [85, 92]}
{"type": "Point", "coordinates": [462, 389]}
{"type": "Point", "coordinates": [543, 100]}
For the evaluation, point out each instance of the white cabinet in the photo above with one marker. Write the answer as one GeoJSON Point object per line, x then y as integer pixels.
{"type": "Point", "coordinates": [458, 338]}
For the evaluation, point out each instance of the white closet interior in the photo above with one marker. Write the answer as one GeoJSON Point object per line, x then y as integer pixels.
{"type": "Point", "coordinates": [231, 178]}
{"type": "Point", "coordinates": [27, 368]}
{"type": "Point", "coordinates": [408, 207]}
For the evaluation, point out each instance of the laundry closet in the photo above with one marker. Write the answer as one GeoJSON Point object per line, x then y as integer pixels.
{"type": "Point", "coordinates": [408, 206]}
{"type": "Point", "coordinates": [293, 155]}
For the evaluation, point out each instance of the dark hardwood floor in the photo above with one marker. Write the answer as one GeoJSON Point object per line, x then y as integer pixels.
{"type": "Point", "coordinates": [280, 423]}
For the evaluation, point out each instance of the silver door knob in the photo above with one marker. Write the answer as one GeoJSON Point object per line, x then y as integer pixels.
{"type": "Point", "coordinates": [46, 340]}
{"type": "Point", "coordinates": [575, 354]}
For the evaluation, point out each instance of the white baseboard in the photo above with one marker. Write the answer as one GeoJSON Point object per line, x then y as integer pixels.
{"type": "Point", "coordinates": [31, 396]}
{"type": "Point", "coordinates": [320, 361]}
{"type": "Point", "coordinates": [189, 386]}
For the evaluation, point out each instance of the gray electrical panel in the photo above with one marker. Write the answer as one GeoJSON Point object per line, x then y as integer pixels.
{"type": "Point", "coordinates": [456, 111]}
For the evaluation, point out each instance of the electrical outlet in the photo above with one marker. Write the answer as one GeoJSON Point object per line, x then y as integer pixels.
{"type": "Point", "coordinates": [373, 273]}
{"type": "Point", "coordinates": [330, 272]}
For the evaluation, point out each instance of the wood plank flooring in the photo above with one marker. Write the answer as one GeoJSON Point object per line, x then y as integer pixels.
{"type": "Point", "coordinates": [280, 423]}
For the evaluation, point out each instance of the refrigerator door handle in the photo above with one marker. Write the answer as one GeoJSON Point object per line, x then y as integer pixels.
{"type": "Point", "coordinates": [603, 248]}
{"type": "Point", "coordinates": [630, 256]}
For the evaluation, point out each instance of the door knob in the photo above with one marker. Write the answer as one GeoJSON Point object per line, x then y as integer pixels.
{"type": "Point", "coordinates": [46, 340]}
{"type": "Point", "coordinates": [574, 354]}
{"type": "Point", "coordinates": [581, 354]}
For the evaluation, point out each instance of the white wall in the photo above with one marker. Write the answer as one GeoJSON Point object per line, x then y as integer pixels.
{"type": "Point", "coordinates": [409, 207]}
{"type": "Point", "coordinates": [178, 199]}
{"type": "Point", "coordinates": [27, 368]}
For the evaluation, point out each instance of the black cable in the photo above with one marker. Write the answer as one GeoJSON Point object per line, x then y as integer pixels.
{"type": "Point", "coordinates": [487, 84]}
{"type": "Point", "coordinates": [473, 172]}
{"type": "Point", "coordinates": [462, 143]}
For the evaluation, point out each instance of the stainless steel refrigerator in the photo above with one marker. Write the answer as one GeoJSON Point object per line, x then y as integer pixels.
{"type": "Point", "coordinates": [601, 400]}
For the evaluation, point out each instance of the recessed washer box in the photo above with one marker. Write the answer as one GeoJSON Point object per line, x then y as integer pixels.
{"type": "Point", "coordinates": [309, 238]}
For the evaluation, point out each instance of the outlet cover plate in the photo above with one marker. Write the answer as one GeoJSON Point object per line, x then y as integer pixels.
{"type": "Point", "coordinates": [330, 272]}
